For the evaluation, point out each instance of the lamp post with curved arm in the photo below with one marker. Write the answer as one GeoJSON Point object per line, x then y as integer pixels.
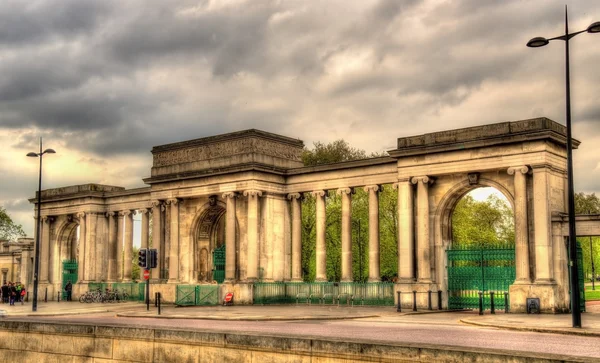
{"type": "Point", "coordinates": [574, 277]}
{"type": "Point", "coordinates": [39, 222]}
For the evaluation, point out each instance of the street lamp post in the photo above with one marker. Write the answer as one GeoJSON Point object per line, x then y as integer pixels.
{"type": "Point", "coordinates": [39, 222]}
{"type": "Point", "coordinates": [574, 277]}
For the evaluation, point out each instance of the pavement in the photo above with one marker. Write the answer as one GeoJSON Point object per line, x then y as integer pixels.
{"type": "Point", "coordinates": [547, 323]}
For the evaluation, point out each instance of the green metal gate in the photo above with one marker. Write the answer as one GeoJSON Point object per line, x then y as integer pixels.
{"type": "Point", "coordinates": [69, 274]}
{"type": "Point", "coordinates": [472, 271]}
{"type": "Point", "coordinates": [194, 295]}
{"type": "Point", "coordinates": [219, 264]}
{"type": "Point", "coordinates": [580, 273]}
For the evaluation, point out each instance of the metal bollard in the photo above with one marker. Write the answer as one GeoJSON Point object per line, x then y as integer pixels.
{"type": "Point", "coordinates": [158, 303]}
{"type": "Point", "coordinates": [414, 300]}
{"type": "Point", "coordinates": [492, 307]}
{"type": "Point", "coordinates": [58, 297]}
{"type": "Point", "coordinates": [439, 299]}
{"type": "Point", "coordinates": [399, 308]}
{"type": "Point", "coordinates": [27, 296]}
{"type": "Point", "coordinates": [156, 299]}
{"type": "Point", "coordinates": [506, 301]}
{"type": "Point", "coordinates": [46, 295]}
{"type": "Point", "coordinates": [480, 303]}
{"type": "Point", "coordinates": [429, 300]}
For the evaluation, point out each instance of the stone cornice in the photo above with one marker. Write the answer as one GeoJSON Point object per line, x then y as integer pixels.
{"type": "Point", "coordinates": [483, 136]}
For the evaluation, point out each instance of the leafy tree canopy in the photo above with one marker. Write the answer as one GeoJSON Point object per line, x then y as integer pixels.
{"type": "Point", "coordinates": [487, 223]}
{"type": "Point", "coordinates": [333, 152]}
{"type": "Point", "coordinates": [587, 203]}
{"type": "Point", "coordinates": [9, 230]}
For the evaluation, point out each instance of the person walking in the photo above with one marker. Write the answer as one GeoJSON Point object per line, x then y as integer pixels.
{"type": "Point", "coordinates": [5, 292]}
{"type": "Point", "coordinates": [68, 289]}
{"type": "Point", "coordinates": [22, 295]}
{"type": "Point", "coordinates": [12, 292]}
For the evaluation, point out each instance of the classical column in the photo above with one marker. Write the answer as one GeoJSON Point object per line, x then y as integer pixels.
{"type": "Point", "coordinates": [45, 250]}
{"type": "Point", "coordinates": [157, 236]}
{"type": "Point", "coordinates": [296, 199]}
{"type": "Point", "coordinates": [145, 226]}
{"type": "Point", "coordinates": [174, 244]}
{"type": "Point", "coordinates": [321, 229]}
{"type": "Point", "coordinates": [112, 248]}
{"type": "Point", "coordinates": [120, 225]}
{"type": "Point", "coordinates": [90, 247]}
{"type": "Point", "coordinates": [252, 269]}
{"type": "Point", "coordinates": [82, 246]}
{"type": "Point", "coordinates": [542, 226]}
{"type": "Point", "coordinates": [127, 245]}
{"type": "Point", "coordinates": [230, 236]}
{"type": "Point", "coordinates": [73, 244]}
{"type": "Point", "coordinates": [521, 230]}
{"type": "Point", "coordinates": [406, 271]}
{"type": "Point", "coordinates": [101, 260]}
{"type": "Point", "coordinates": [374, 271]}
{"type": "Point", "coordinates": [423, 249]}
{"type": "Point", "coordinates": [346, 194]}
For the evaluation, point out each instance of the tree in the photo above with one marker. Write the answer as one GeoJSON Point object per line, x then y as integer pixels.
{"type": "Point", "coordinates": [588, 204]}
{"type": "Point", "coordinates": [9, 230]}
{"type": "Point", "coordinates": [339, 151]}
{"type": "Point", "coordinates": [135, 268]}
{"type": "Point", "coordinates": [481, 224]}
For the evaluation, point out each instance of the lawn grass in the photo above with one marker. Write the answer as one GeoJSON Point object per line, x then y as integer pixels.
{"type": "Point", "coordinates": [592, 294]}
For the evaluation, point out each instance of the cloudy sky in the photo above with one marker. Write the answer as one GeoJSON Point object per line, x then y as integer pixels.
{"type": "Point", "coordinates": [104, 81]}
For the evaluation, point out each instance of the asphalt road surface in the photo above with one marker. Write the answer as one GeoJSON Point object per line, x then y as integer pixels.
{"type": "Point", "coordinates": [442, 329]}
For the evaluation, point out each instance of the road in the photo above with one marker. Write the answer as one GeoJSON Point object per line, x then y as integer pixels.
{"type": "Point", "coordinates": [432, 329]}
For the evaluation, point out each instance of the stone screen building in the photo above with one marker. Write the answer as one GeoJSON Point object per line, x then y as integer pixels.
{"type": "Point", "coordinates": [241, 194]}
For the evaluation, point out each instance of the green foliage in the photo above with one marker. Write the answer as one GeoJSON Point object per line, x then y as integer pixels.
{"type": "Point", "coordinates": [339, 151]}
{"type": "Point", "coordinates": [135, 268]}
{"type": "Point", "coordinates": [590, 246]}
{"type": "Point", "coordinates": [9, 230]}
{"type": "Point", "coordinates": [481, 224]}
{"type": "Point", "coordinates": [591, 294]}
{"type": "Point", "coordinates": [334, 152]}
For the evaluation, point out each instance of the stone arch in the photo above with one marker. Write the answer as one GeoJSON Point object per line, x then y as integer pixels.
{"type": "Point", "coordinates": [443, 220]}
{"type": "Point", "coordinates": [204, 232]}
{"type": "Point", "coordinates": [65, 246]}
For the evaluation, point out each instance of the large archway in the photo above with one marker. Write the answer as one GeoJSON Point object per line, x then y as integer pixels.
{"type": "Point", "coordinates": [209, 242]}
{"type": "Point", "coordinates": [480, 254]}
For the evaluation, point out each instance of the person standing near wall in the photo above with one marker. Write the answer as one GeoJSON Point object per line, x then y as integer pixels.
{"type": "Point", "coordinates": [68, 290]}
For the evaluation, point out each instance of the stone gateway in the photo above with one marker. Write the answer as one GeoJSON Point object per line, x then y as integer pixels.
{"type": "Point", "coordinates": [227, 208]}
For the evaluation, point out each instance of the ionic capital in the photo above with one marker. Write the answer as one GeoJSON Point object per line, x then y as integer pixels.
{"type": "Point", "coordinates": [252, 193]}
{"type": "Point", "coordinates": [156, 203]}
{"type": "Point", "coordinates": [318, 193]}
{"type": "Point", "coordinates": [401, 182]}
{"type": "Point", "coordinates": [347, 191]}
{"type": "Point", "coordinates": [173, 201]}
{"type": "Point", "coordinates": [80, 215]}
{"type": "Point", "coordinates": [422, 179]}
{"type": "Point", "coordinates": [523, 169]}
{"type": "Point", "coordinates": [145, 211]}
{"type": "Point", "coordinates": [124, 213]}
{"type": "Point", "coordinates": [373, 188]}
{"type": "Point", "coordinates": [109, 214]}
{"type": "Point", "coordinates": [229, 195]}
{"type": "Point", "coordinates": [297, 196]}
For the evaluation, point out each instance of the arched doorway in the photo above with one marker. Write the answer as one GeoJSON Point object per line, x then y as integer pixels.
{"type": "Point", "coordinates": [67, 250]}
{"type": "Point", "coordinates": [481, 249]}
{"type": "Point", "coordinates": [209, 246]}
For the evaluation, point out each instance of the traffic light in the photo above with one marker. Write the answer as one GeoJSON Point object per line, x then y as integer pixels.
{"type": "Point", "coordinates": [153, 258]}
{"type": "Point", "coordinates": [143, 258]}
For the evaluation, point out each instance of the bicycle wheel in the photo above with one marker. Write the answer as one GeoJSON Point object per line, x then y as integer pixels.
{"type": "Point", "coordinates": [82, 298]}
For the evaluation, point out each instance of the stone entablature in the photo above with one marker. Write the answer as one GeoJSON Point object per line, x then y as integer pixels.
{"type": "Point", "coordinates": [242, 148]}
{"type": "Point", "coordinates": [79, 190]}
{"type": "Point", "coordinates": [483, 136]}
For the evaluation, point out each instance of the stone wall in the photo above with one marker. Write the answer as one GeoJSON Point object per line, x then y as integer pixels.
{"type": "Point", "coordinates": [52, 342]}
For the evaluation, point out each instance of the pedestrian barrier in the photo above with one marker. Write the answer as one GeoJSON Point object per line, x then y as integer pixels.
{"type": "Point", "coordinates": [370, 293]}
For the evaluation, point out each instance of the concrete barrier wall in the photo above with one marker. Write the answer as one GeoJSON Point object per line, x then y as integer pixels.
{"type": "Point", "coordinates": [52, 342]}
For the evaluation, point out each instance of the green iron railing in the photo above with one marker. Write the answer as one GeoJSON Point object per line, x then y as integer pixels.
{"type": "Point", "coordinates": [195, 295]}
{"type": "Point", "coordinates": [370, 293]}
{"type": "Point", "coordinates": [472, 271]}
{"type": "Point", "coordinates": [135, 291]}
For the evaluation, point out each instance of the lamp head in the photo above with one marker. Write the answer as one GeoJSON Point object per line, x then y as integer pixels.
{"type": "Point", "coordinates": [32, 154]}
{"type": "Point", "coordinates": [537, 42]}
{"type": "Point", "coordinates": [594, 28]}
{"type": "Point", "coordinates": [49, 151]}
